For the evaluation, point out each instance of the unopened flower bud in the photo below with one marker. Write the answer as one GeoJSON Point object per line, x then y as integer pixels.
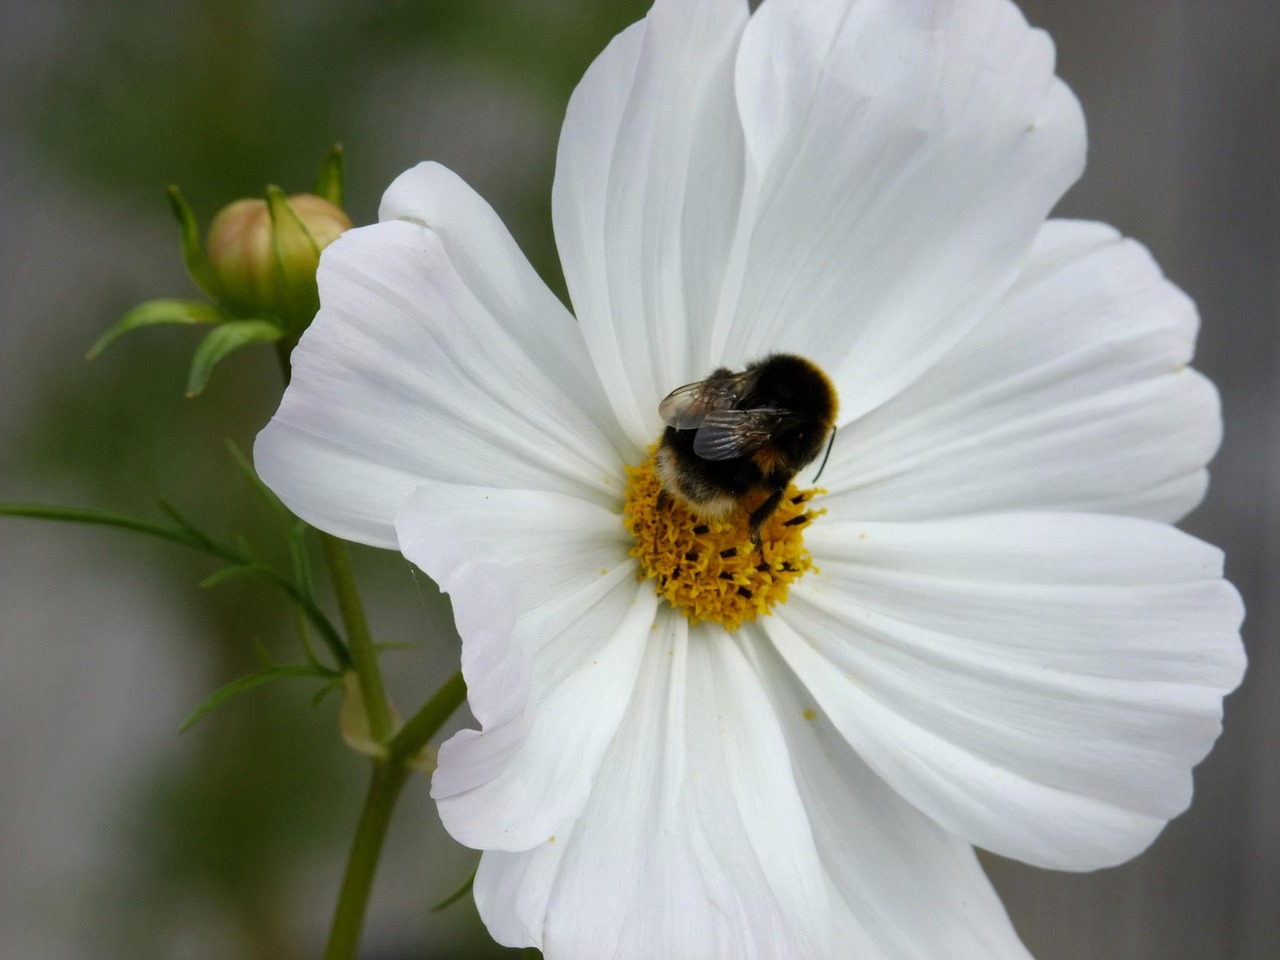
{"type": "Point", "coordinates": [264, 253]}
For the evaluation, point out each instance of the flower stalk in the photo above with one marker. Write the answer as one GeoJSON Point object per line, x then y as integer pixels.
{"type": "Point", "coordinates": [385, 783]}
{"type": "Point", "coordinates": [364, 654]}
{"type": "Point", "coordinates": [391, 771]}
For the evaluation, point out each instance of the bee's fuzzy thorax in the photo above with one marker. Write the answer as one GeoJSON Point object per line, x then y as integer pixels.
{"type": "Point", "coordinates": [787, 380]}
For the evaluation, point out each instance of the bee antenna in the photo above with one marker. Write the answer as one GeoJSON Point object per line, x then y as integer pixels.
{"type": "Point", "coordinates": [826, 456]}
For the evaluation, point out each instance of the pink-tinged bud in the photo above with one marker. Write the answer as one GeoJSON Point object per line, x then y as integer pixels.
{"type": "Point", "coordinates": [264, 253]}
{"type": "Point", "coordinates": [239, 247]}
{"type": "Point", "coordinates": [323, 220]}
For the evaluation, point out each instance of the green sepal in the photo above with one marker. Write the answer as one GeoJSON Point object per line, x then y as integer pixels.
{"type": "Point", "coordinates": [458, 894]}
{"type": "Point", "coordinates": [156, 312]}
{"type": "Point", "coordinates": [193, 252]}
{"type": "Point", "coordinates": [331, 177]}
{"type": "Point", "coordinates": [244, 685]}
{"type": "Point", "coordinates": [225, 339]}
{"type": "Point", "coordinates": [296, 256]}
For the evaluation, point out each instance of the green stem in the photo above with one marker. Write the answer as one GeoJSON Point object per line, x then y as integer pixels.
{"type": "Point", "coordinates": [348, 919]}
{"type": "Point", "coordinates": [422, 726]}
{"type": "Point", "coordinates": [364, 655]}
{"type": "Point", "coordinates": [385, 784]}
{"type": "Point", "coordinates": [389, 775]}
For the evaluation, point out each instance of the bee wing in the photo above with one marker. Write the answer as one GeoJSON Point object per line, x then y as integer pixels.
{"type": "Point", "coordinates": [687, 407]}
{"type": "Point", "coordinates": [725, 434]}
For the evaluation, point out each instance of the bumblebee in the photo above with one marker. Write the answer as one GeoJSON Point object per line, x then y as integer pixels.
{"type": "Point", "coordinates": [737, 434]}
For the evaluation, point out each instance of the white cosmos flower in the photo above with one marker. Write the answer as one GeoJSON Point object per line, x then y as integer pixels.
{"type": "Point", "coordinates": [1006, 644]}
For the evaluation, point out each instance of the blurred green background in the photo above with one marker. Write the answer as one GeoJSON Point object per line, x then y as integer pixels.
{"type": "Point", "coordinates": [120, 838]}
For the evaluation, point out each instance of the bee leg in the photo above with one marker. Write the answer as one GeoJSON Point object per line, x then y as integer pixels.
{"type": "Point", "coordinates": [762, 513]}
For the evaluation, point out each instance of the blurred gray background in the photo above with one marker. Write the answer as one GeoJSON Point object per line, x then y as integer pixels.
{"type": "Point", "coordinates": [120, 838]}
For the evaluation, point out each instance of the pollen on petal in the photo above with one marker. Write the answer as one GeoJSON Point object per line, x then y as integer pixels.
{"type": "Point", "coordinates": [709, 569]}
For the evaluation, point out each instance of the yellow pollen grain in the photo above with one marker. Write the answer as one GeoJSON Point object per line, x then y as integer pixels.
{"type": "Point", "coordinates": [710, 569]}
{"type": "Point", "coordinates": [809, 714]}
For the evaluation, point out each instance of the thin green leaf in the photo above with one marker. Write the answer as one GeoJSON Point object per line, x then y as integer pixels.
{"type": "Point", "coordinates": [245, 547]}
{"type": "Point", "coordinates": [157, 312]}
{"type": "Point", "coordinates": [458, 894]}
{"type": "Point", "coordinates": [301, 561]}
{"type": "Point", "coordinates": [324, 691]}
{"type": "Point", "coordinates": [263, 491]}
{"type": "Point", "coordinates": [328, 633]}
{"type": "Point", "coordinates": [198, 536]}
{"type": "Point", "coordinates": [38, 511]}
{"type": "Point", "coordinates": [193, 252]}
{"type": "Point", "coordinates": [223, 340]}
{"type": "Point", "coordinates": [301, 568]}
{"type": "Point", "coordinates": [227, 573]}
{"type": "Point", "coordinates": [189, 536]}
{"type": "Point", "coordinates": [244, 557]}
{"type": "Point", "coordinates": [264, 655]}
{"type": "Point", "coordinates": [245, 564]}
{"type": "Point", "coordinates": [331, 176]}
{"type": "Point", "coordinates": [301, 555]}
{"type": "Point", "coordinates": [244, 685]}
{"type": "Point", "coordinates": [302, 576]}
{"type": "Point", "coordinates": [304, 636]}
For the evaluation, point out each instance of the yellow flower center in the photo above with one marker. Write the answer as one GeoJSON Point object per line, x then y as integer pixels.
{"type": "Point", "coordinates": [709, 569]}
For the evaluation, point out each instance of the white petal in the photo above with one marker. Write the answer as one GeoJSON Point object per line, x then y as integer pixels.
{"type": "Point", "coordinates": [906, 888]}
{"type": "Point", "coordinates": [901, 156]}
{"type": "Point", "coordinates": [694, 842]}
{"type": "Point", "coordinates": [552, 623]}
{"type": "Point", "coordinates": [512, 889]}
{"type": "Point", "coordinates": [1072, 394]}
{"type": "Point", "coordinates": [648, 179]}
{"type": "Point", "coordinates": [437, 354]}
{"type": "Point", "coordinates": [1041, 684]}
